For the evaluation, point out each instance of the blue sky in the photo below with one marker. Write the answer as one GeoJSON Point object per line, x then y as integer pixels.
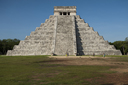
{"type": "Point", "coordinates": [18, 18]}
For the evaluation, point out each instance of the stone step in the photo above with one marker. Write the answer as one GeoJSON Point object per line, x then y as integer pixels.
{"type": "Point", "coordinates": [45, 37]}
{"type": "Point", "coordinates": [52, 17]}
{"type": "Point", "coordinates": [107, 52]}
{"type": "Point", "coordinates": [35, 41]}
{"type": "Point", "coordinates": [47, 25]}
{"type": "Point", "coordinates": [96, 48]}
{"type": "Point", "coordinates": [42, 24]}
{"type": "Point", "coordinates": [88, 43]}
{"type": "Point", "coordinates": [48, 21]}
{"type": "Point", "coordinates": [82, 25]}
{"type": "Point", "coordinates": [29, 46]}
{"type": "Point", "coordinates": [44, 28]}
{"type": "Point", "coordinates": [87, 29]}
{"type": "Point", "coordinates": [80, 21]}
{"type": "Point", "coordinates": [92, 42]}
{"type": "Point", "coordinates": [29, 52]}
{"type": "Point", "coordinates": [88, 32]}
{"type": "Point", "coordinates": [41, 33]}
{"type": "Point", "coordinates": [95, 44]}
{"type": "Point", "coordinates": [34, 49]}
{"type": "Point", "coordinates": [77, 17]}
{"type": "Point", "coordinates": [91, 37]}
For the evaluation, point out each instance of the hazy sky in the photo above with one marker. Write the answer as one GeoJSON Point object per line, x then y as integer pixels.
{"type": "Point", "coordinates": [108, 17]}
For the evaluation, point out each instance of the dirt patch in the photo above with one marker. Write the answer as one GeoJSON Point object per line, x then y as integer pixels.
{"type": "Point", "coordinates": [90, 60]}
{"type": "Point", "coordinates": [120, 67]}
{"type": "Point", "coordinates": [112, 79]}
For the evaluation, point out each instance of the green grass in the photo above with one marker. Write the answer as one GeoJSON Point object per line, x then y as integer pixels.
{"type": "Point", "coordinates": [36, 70]}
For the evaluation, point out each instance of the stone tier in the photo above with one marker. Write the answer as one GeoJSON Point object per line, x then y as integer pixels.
{"type": "Point", "coordinates": [107, 52]}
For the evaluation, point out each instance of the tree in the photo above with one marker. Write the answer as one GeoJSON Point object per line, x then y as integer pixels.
{"type": "Point", "coordinates": [121, 45]}
{"type": "Point", "coordinates": [126, 39]}
{"type": "Point", "coordinates": [7, 44]}
{"type": "Point", "coordinates": [0, 47]}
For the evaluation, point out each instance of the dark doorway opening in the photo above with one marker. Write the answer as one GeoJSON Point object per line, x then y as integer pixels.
{"type": "Point", "coordinates": [68, 13]}
{"type": "Point", "coordinates": [60, 13]}
{"type": "Point", "coordinates": [64, 13]}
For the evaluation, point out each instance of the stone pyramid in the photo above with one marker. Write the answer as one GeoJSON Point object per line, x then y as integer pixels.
{"type": "Point", "coordinates": [64, 32]}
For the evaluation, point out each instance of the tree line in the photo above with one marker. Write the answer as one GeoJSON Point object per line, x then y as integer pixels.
{"type": "Point", "coordinates": [121, 45]}
{"type": "Point", "coordinates": [8, 44]}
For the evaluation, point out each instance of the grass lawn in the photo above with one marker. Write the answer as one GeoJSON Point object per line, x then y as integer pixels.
{"type": "Point", "coordinates": [36, 70]}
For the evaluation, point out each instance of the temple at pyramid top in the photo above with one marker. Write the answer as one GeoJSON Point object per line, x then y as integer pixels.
{"type": "Point", "coordinates": [64, 10]}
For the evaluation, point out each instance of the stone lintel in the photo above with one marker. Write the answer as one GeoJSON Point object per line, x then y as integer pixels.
{"type": "Point", "coordinates": [65, 10]}
{"type": "Point", "coordinates": [65, 7]}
